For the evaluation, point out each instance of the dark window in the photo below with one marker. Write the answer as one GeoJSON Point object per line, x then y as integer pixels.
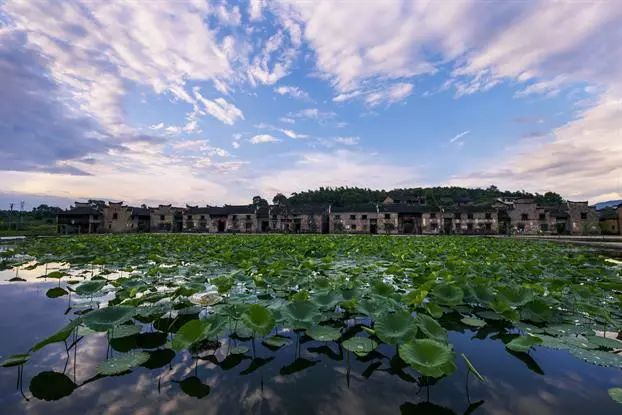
{"type": "Point", "coordinates": [273, 217]}
{"type": "Point", "coordinates": [234, 217]}
{"type": "Point", "coordinates": [202, 217]}
{"type": "Point", "coordinates": [115, 216]}
{"type": "Point", "coordinates": [337, 216]}
{"type": "Point", "coordinates": [488, 216]}
{"type": "Point", "coordinates": [542, 216]}
{"type": "Point", "coordinates": [161, 217]}
{"type": "Point", "coordinates": [544, 227]}
{"type": "Point", "coordinates": [488, 227]}
{"type": "Point", "coordinates": [396, 201]}
{"type": "Point", "coordinates": [352, 217]}
{"type": "Point", "coordinates": [189, 217]}
{"type": "Point", "coordinates": [363, 217]}
{"type": "Point", "coordinates": [248, 217]}
{"type": "Point", "coordinates": [248, 226]}
{"type": "Point", "coordinates": [353, 227]}
{"type": "Point", "coordinates": [470, 216]}
{"type": "Point", "coordinates": [524, 216]}
{"type": "Point", "coordinates": [387, 216]}
{"type": "Point", "coordinates": [432, 215]}
{"type": "Point", "coordinates": [434, 226]}
{"type": "Point", "coordinates": [583, 215]}
{"type": "Point", "coordinates": [470, 226]}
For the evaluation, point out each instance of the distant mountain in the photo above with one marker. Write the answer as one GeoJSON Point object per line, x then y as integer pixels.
{"type": "Point", "coordinates": [609, 203]}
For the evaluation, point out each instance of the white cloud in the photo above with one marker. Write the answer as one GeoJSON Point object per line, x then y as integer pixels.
{"type": "Point", "coordinates": [394, 93]}
{"type": "Point", "coordinates": [312, 113]}
{"type": "Point", "coordinates": [348, 141]}
{"type": "Point", "coordinates": [219, 108]}
{"type": "Point", "coordinates": [287, 120]}
{"type": "Point", "coordinates": [458, 136]}
{"type": "Point", "coordinates": [255, 8]}
{"type": "Point", "coordinates": [263, 138]}
{"type": "Point", "coordinates": [292, 91]}
{"type": "Point", "coordinates": [336, 168]}
{"type": "Point", "coordinates": [158, 126]}
{"type": "Point", "coordinates": [287, 132]}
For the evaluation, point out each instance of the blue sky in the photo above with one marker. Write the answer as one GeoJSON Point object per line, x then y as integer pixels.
{"type": "Point", "coordinates": [213, 102]}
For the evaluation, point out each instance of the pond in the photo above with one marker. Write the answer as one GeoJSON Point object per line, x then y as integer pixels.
{"type": "Point", "coordinates": [158, 364]}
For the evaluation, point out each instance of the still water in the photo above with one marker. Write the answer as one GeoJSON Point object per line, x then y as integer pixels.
{"type": "Point", "coordinates": [304, 377]}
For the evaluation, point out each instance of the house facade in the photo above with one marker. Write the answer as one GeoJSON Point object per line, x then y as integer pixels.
{"type": "Point", "coordinates": [398, 214]}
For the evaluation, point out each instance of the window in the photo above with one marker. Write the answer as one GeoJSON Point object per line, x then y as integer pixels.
{"type": "Point", "coordinates": [161, 217]}
{"type": "Point", "coordinates": [189, 217]}
{"type": "Point", "coordinates": [248, 217]}
{"type": "Point", "coordinates": [544, 227]}
{"type": "Point", "coordinates": [470, 216]}
{"type": "Point", "coordinates": [363, 217]}
{"type": "Point", "coordinates": [387, 216]}
{"type": "Point", "coordinates": [202, 217]}
{"type": "Point", "coordinates": [337, 217]}
{"type": "Point", "coordinates": [542, 216]}
{"type": "Point", "coordinates": [234, 217]}
{"type": "Point", "coordinates": [469, 226]}
{"type": "Point", "coordinates": [273, 217]}
{"type": "Point", "coordinates": [524, 216]}
{"type": "Point", "coordinates": [432, 215]}
{"type": "Point", "coordinates": [434, 226]}
{"type": "Point", "coordinates": [352, 217]}
{"type": "Point", "coordinates": [488, 227]}
{"type": "Point", "coordinates": [248, 226]}
{"type": "Point", "coordinates": [115, 216]}
{"type": "Point", "coordinates": [583, 215]}
{"type": "Point", "coordinates": [488, 216]}
{"type": "Point", "coordinates": [353, 227]}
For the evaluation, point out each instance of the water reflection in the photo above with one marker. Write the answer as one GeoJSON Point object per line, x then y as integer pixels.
{"type": "Point", "coordinates": [303, 376]}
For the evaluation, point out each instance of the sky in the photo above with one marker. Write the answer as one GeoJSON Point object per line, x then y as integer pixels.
{"type": "Point", "coordinates": [213, 102]}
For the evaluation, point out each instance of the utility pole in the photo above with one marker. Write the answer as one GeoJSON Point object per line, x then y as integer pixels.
{"type": "Point", "coordinates": [21, 208]}
{"type": "Point", "coordinates": [10, 214]}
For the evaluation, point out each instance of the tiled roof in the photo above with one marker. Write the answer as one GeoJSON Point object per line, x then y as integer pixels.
{"type": "Point", "coordinates": [231, 210]}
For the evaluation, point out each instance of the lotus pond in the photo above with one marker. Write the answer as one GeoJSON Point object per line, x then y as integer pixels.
{"type": "Point", "coordinates": [150, 324]}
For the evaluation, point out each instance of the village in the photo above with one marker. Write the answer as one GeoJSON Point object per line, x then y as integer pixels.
{"type": "Point", "coordinates": [398, 213]}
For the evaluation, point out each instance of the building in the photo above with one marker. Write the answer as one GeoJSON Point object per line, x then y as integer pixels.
{"type": "Point", "coordinates": [610, 221]}
{"type": "Point", "coordinates": [83, 217]}
{"type": "Point", "coordinates": [233, 218]}
{"type": "Point", "coordinates": [400, 213]}
{"type": "Point", "coordinates": [166, 218]}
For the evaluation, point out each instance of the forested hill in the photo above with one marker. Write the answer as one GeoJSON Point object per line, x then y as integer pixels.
{"type": "Point", "coordinates": [434, 196]}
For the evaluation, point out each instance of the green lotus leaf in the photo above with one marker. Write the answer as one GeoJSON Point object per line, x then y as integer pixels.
{"type": "Point", "coordinates": [51, 386]}
{"type": "Point", "coordinates": [473, 322]}
{"type": "Point", "coordinates": [106, 318]}
{"type": "Point", "coordinates": [89, 287]}
{"type": "Point", "coordinates": [616, 394]}
{"type": "Point", "coordinates": [429, 357]}
{"type": "Point", "coordinates": [323, 333]}
{"type": "Point", "coordinates": [523, 343]}
{"type": "Point", "coordinates": [448, 295]}
{"type": "Point", "coordinates": [361, 346]}
{"type": "Point", "coordinates": [434, 310]}
{"type": "Point", "coordinates": [605, 342]}
{"type": "Point", "coordinates": [371, 307]}
{"type": "Point", "coordinates": [122, 363]}
{"type": "Point", "coordinates": [56, 292]}
{"type": "Point", "coordinates": [124, 330]}
{"type": "Point", "coordinates": [415, 297]}
{"type": "Point", "coordinates": [193, 386]}
{"type": "Point", "coordinates": [259, 319]}
{"type": "Point", "coordinates": [537, 311]}
{"type": "Point", "coordinates": [59, 336]}
{"type": "Point", "coordinates": [15, 360]}
{"type": "Point", "coordinates": [394, 328]}
{"type": "Point", "coordinates": [598, 357]}
{"type": "Point", "coordinates": [301, 314]}
{"type": "Point", "coordinates": [57, 275]}
{"type": "Point", "coordinates": [326, 300]}
{"type": "Point", "coordinates": [472, 369]}
{"type": "Point", "coordinates": [515, 295]}
{"type": "Point", "coordinates": [430, 327]}
{"type": "Point", "coordinates": [382, 289]}
{"type": "Point", "coordinates": [238, 350]}
{"type": "Point", "coordinates": [192, 332]}
{"type": "Point", "coordinates": [276, 341]}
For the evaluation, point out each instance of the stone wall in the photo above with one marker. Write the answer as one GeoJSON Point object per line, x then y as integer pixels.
{"type": "Point", "coordinates": [118, 219]}
{"type": "Point", "coordinates": [583, 219]}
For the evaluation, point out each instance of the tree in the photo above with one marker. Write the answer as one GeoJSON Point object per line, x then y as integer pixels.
{"type": "Point", "coordinates": [279, 199]}
{"type": "Point", "coordinates": [259, 202]}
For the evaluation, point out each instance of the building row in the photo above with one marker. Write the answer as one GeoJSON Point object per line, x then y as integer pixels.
{"type": "Point", "coordinates": [392, 216]}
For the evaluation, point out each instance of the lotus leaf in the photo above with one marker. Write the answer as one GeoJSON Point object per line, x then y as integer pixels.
{"type": "Point", "coordinates": [429, 357]}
